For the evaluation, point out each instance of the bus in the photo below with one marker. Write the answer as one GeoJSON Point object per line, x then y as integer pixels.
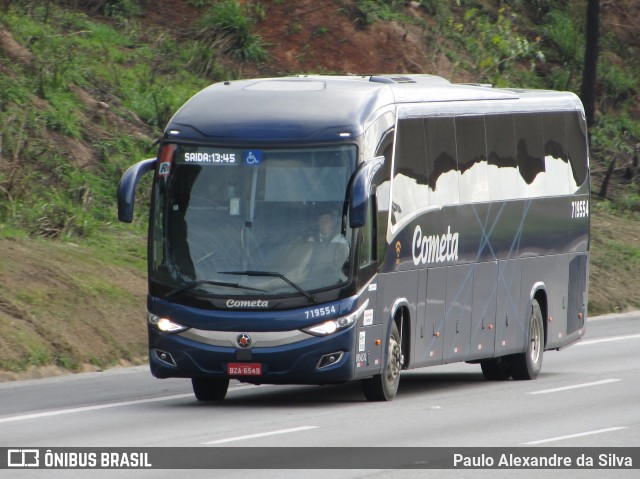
{"type": "Point", "coordinates": [323, 229]}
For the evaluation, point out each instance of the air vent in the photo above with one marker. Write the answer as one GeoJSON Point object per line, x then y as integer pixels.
{"type": "Point", "coordinates": [403, 80]}
{"type": "Point", "coordinates": [380, 79]}
{"type": "Point", "coordinates": [421, 79]}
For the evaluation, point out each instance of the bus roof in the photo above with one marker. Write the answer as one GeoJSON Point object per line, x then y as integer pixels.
{"type": "Point", "coordinates": [322, 108]}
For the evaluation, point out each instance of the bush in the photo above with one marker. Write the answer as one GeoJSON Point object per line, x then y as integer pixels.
{"type": "Point", "coordinates": [227, 26]}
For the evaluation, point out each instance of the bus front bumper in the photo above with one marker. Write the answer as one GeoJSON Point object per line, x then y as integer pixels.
{"type": "Point", "coordinates": [299, 360]}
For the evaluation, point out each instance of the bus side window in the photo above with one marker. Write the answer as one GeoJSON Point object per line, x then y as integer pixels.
{"type": "Point", "coordinates": [504, 178]}
{"type": "Point", "coordinates": [410, 190]}
{"type": "Point", "coordinates": [442, 165]}
{"type": "Point", "coordinates": [382, 180]}
{"type": "Point", "coordinates": [530, 154]}
{"type": "Point", "coordinates": [367, 252]}
{"type": "Point", "coordinates": [577, 146]}
{"type": "Point", "coordinates": [557, 167]}
{"type": "Point", "coordinates": [472, 159]}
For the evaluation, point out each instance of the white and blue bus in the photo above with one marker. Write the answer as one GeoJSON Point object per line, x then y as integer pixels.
{"type": "Point", "coordinates": [319, 229]}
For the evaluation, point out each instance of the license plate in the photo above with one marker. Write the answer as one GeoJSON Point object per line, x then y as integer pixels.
{"type": "Point", "coordinates": [244, 369]}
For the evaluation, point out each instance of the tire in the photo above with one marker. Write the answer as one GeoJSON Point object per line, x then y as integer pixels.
{"type": "Point", "coordinates": [384, 386]}
{"type": "Point", "coordinates": [209, 389]}
{"type": "Point", "coordinates": [496, 369]}
{"type": "Point", "coordinates": [527, 365]}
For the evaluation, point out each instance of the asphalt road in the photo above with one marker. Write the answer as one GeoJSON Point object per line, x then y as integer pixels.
{"type": "Point", "coordinates": [587, 395]}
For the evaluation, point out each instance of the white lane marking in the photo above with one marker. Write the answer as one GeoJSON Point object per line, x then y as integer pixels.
{"type": "Point", "coordinates": [264, 434]}
{"type": "Point", "coordinates": [607, 340]}
{"type": "Point", "coordinates": [573, 436]}
{"type": "Point", "coordinates": [60, 412]}
{"type": "Point", "coordinates": [97, 407]}
{"type": "Point", "coordinates": [615, 316]}
{"type": "Point", "coordinates": [576, 386]}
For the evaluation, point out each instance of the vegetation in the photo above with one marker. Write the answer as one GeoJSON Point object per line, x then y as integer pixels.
{"type": "Point", "coordinates": [228, 26]}
{"type": "Point", "coordinates": [87, 87]}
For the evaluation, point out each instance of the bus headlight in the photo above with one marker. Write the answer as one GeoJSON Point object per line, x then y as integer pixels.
{"type": "Point", "coordinates": [165, 324]}
{"type": "Point", "coordinates": [333, 325]}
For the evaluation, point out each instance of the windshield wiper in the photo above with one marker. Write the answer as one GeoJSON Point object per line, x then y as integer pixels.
{"type": "Point", "coordinates": [195, 284]}
{"type": "Point", "coordinates": [274, 274]}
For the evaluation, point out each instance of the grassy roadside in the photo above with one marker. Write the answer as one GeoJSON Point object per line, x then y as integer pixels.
{"type": "Point", "coordinates": [71, 307]}
{"type": "Point", "coordinates": [615, 260]}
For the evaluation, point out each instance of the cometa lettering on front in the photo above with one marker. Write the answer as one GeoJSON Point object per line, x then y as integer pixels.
{"type": "Point", "coordinates": [256, 303]}
{"type": "Point", "coordinates": [434, 248]}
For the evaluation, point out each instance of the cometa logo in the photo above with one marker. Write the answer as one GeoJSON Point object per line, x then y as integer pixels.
{"type": "Point", "coordinates": [256, 303]}
{"type": "Point", "coordinates": [434, 248]}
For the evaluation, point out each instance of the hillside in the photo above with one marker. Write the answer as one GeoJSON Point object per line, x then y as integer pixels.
{"type": "Point", "coordinates": [86, 90]}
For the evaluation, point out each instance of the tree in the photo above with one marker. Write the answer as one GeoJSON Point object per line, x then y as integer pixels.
{"type": "Point", "coordinates": [589, 75]}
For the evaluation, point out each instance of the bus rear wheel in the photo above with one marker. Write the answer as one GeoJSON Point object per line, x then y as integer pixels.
{"type": "Point", "coordinates": [209, 389]}
{"type": "Point", "coordinates": [527, 365]}
{"type": "Point", "coordinates": [384, 386]}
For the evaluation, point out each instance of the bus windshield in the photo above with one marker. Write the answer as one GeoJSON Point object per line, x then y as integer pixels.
{"type": "Point", "coordinates": [251, 222]}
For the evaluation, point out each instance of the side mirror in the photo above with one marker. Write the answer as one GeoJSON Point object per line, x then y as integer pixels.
{"type": "Point", "coordinates": [127, 188]}
{"type": "Point", "coordinates": [361, 190]}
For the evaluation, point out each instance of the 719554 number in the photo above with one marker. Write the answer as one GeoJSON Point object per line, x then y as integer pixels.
{"type": "Point", "coordinates": [320, 312]}
{"type": "Point", "coordinates": [580, 209]}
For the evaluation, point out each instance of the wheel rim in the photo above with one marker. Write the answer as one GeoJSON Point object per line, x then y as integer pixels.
{"type": "Point", "coordinates": [395, 360]}
{"type": "Point", "coordinates": [535, 340]}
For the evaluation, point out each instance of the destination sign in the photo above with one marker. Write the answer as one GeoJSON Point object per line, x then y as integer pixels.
{"type": "Point", "coordinates": [220, 156]}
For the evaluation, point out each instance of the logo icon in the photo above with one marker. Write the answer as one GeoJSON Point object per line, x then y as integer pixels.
{"type": "Point", "coordinates": [23, 458]}
{"type": "Point", "coordinates": [164, 169]}
{"type": "Point", "coordinates": [244, 341]}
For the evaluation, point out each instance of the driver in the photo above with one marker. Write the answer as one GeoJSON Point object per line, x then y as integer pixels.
{"type": "Point", "coordinates": [328, 229]}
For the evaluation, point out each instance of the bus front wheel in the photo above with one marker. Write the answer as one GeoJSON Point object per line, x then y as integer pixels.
{"type": "Point", "coordinates": [209, 389]}
{"type": "Point", "coordinates": [384, 386]}
{"type": "Point", "coordinates": [527, 365]}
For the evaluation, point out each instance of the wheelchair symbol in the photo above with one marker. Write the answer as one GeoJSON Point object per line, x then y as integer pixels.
{"type": "Point", "coordinates": [253, 157]}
